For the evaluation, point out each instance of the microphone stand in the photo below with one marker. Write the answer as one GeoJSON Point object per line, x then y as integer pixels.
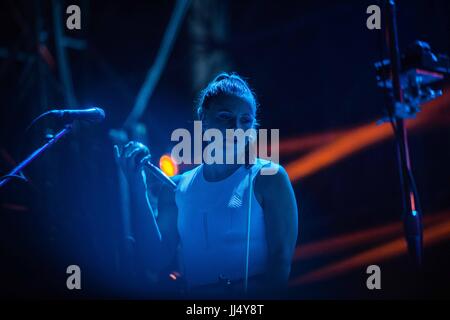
{"type": "Point", "coordinates": [412, 215]}
{"type": "Point", "coordinates": [35, 154]}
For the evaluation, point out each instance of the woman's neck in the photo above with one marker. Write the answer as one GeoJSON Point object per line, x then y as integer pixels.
{"type": "Point", "coordinates": [216, 172]}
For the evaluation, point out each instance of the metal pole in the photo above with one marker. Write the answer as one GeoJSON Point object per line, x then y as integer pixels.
{"type": "Point", "coordinates": [36, 154]}
{"type": "Point", "coordinates": [412, 216]}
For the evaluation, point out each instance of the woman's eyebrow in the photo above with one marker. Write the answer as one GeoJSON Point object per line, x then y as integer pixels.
{"type": "Point", "coordinates": [242, 114]}
{"type": "Point", "coordinates": [248, 115]}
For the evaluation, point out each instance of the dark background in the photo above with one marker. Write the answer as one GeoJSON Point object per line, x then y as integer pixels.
{"type": "Point", "coordinates": [311, 66]}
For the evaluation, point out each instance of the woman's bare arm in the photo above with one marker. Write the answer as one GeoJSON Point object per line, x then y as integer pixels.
{"type": "Point", "coordinates": [281, 218]}
{"type": "Point", "coordinates": [155, 237]}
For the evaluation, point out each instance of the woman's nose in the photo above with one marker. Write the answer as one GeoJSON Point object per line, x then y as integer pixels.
{"type": "Point", "coordinates": [233, 124]}
{"type": "Point", "coordinates": [238, 124]}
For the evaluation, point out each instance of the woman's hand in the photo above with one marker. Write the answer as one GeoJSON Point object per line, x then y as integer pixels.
{"type": "Point", "coordinates": [128, 157]}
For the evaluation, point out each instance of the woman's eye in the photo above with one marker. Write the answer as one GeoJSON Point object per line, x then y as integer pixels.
{"type": "Point", "coordinates": [224, 116]}
{"type": "Point", "coordinates": [247, 120]}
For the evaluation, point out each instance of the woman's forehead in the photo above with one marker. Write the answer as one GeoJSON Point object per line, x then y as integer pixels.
{"type": "Point", "coordinates": [233, 104]}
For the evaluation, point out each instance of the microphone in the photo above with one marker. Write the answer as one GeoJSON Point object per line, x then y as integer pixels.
{"type": "Point", "coordinates": [91, 115]}
{"type": "Point", "coordinates": [158, 173]}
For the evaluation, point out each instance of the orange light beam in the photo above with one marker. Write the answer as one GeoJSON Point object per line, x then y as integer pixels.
{"type": "Point", "coordinates": [297, 144]}
{"type": "Point", "coordinates": [345, 145]}
{"type": "Point", "coordinates": [347, 241]}
{"type": "Point", "coordinates": [383, 252]}
{"type": "Point", "coordinates": [355, 140]}
{"type": "Point", "coordinates": [301, 143]}
{"type": "Point", "coordinates": [14, 207]}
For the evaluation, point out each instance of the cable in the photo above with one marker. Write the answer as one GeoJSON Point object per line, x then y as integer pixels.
{"type": "Point", "coordinates": [144, 178]}
{"type": "Point", "coordinates": [37, 119]}
{"type": "Point", "coordinates": [13, 176]}
{"type": "Point", "coordinates": [249, 216]}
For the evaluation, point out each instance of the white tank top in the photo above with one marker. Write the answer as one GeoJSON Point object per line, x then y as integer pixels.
{"type": "Point", "coordinates": [212, 225]}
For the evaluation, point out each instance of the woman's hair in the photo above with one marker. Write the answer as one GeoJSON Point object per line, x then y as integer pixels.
{"type": "Point", "coordinates": [225, 84]}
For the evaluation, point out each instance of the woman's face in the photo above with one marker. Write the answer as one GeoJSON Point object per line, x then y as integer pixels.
{"type": "Point", "coordinates": [229, 112]}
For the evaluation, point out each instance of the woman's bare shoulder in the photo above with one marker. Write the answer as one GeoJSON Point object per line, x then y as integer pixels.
{"type": "Point", "coordinates": [272, 178]}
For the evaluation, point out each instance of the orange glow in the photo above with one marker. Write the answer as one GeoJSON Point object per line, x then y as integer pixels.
{"type": "Point", "coordinates": [168, 166]}
{"type": "Point", "coordinates": [173, 276]}
{"type": "Point", "coordinates": [14, 207]}
{"type": "Point", "coordinates": [357, 139]}
{"type": "Point", "coordinates": [344, 145]}
{"type": "Point", "coordinates": [432, 235]}
{"type": "Point", "coordinates": [297, 144]}
{"type": "Point", "coordinates": [413, 203]}
{"type": "Point", "coordinates": [349, 240]}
